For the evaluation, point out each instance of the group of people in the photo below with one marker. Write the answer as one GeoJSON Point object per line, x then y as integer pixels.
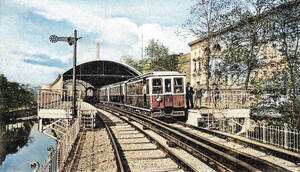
{"type": "Point", "coordinates": [190, 98]}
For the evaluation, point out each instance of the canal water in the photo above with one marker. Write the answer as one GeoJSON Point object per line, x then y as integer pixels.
{"type": "Point", "coordinates": [21, 144]}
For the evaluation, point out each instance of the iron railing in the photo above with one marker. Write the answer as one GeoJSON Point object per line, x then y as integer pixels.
{"type": "Point", "coordinates": [226, 99]}
{"type": "Point", "coordinates": [50, 164]}
{"type": "Point", "coordinates": [57, 158]}
{"type": "Point", "coordinates": [56, 98]}
{"type": "Point", "coordinates": [283, 137]}
{"type": "Point", "coordinates": [67, 142]}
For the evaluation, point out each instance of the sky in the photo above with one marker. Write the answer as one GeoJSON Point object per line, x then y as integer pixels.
{"type": "Point", "coordinates": [27, 56]}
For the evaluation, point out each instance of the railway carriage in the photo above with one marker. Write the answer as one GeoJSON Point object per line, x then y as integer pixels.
{"type": "Point", "coordinates": [164, 94]}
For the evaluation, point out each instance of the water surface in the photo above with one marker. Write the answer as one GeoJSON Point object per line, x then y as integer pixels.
{"type": "Point", "coordinates": [21, 146]}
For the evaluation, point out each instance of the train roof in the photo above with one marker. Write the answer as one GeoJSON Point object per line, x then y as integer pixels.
{"type": "Point", "coordinates": [158, 73]}
{"type": "Point", "coordinates": [166, 73]}
{"type": "Point", "coordinates": [151, 74]}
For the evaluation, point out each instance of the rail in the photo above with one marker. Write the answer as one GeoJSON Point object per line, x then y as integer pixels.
{"type": "Point", "coordinates": [221, 156]}
{"type": "Point", "coordinates": [282, 137]}
{"type": "Point", "coordinates": [180, 161]}
{"type": "Point", "coordinates": [121, 164]}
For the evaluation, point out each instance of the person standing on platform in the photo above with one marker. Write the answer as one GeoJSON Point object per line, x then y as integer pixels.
{"type": "Point", "coordinates": [216, 95]}
{"type": "Point", "coordinates": [189, 96]}
{"type": "Point", "coordinates": [198, 96]}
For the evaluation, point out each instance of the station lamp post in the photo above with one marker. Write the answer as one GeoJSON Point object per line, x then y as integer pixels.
{"type": "Point", "coordinates": [71, 41]}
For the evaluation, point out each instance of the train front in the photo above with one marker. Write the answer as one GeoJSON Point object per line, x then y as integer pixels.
{"type": "Point", "coordinates": [167, 94]}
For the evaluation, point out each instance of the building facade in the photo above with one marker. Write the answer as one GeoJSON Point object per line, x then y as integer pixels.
{"type": "Point", "coordinates": [184, 65]}
{"type": "Point", "coordinates": [198, 61]}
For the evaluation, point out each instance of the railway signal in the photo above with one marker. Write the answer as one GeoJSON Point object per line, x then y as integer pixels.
{"type": "Point", "coordinates": [71, 41]}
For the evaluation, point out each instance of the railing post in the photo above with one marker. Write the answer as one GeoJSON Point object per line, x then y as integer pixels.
{"type": "Point", "coordinates": [264, 132]}
{"type": "Point", "coordinates": [247, 123]}
{"type": "Point", "coordinates": [286, 143]}
{"type": "Point", "coordinates": [232, 125]}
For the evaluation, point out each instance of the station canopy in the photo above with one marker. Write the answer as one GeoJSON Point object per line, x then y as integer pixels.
{"type": "Point", "coordinates": [101, 72]}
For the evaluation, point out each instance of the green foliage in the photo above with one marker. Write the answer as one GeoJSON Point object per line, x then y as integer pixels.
{"type": "Point", "coordinates": [3, 92]}
{"type": "Point", "coordinates": [13, 95]}
{"type": "Point", "coordinates": [254, 24]}
{"type": "Point", "coordinates": [207, 16]}
{"type": "Point", "coordinates": [137, 64]}
{"type": "Point", "coordinates": [157, 59]}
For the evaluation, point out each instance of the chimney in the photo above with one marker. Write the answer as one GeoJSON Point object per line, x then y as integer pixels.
{"type": "Point", "coordinates": [98, 51]}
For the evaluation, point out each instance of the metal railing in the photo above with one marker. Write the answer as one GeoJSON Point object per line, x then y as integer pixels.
{"type": "Point", "coordinates": [57, 158]}
{"type": "Point", "coordinates": [50, 164]}
{"type": "Point", "coordinates": [67, 142]}
{"type": "Point", "coordinates": [282, 137]}
{"type": "Point", "coordinates": [226, 99]}
{"type": "Point", "coordinates": [56, 98]}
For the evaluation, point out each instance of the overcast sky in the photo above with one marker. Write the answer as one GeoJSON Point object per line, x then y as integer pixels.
{"type": "Point", "coordinates": [27, 56]}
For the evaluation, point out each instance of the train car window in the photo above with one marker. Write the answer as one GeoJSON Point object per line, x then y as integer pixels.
{"type": "Point", "coordinates": [178, 85]}
{"type": "Point", "coordinates": [140, 87]}
{"type": "Point", "coordinates": [147, 82]}
{"type": "Point", "coordinates": [129, 89]}
{"type": "Point", "coordinates": [168, 86]}
{"type": "Point", "coordinates": [157, 86]}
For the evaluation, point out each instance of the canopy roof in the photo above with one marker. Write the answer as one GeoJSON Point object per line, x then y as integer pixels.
{"type": "Point", "coordinates": [102, 72]}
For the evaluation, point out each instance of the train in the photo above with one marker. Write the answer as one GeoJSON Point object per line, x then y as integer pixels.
{"type": "Point", "coordinates": [157, 94]}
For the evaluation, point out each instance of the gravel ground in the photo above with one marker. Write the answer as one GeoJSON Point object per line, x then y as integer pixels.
{"type": "Point", "coordinates": [134, 144]}
{"type": "Point", "coordinates": [97, 153]}
{"type": "Point", "coordinates": [281, 162]}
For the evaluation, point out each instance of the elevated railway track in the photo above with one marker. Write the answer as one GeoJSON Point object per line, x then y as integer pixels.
{"type": "Point", "coordinates": [136, 150]}
{"type": "Point", "coordinates": [218, 156]}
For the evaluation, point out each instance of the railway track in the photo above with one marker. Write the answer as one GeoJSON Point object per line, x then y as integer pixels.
{"type": "Point", "coordinates": [222, 137]}
{"type": "Point", "coordinates": [217, 156]}
{"type": "Point", "coordinates": [135, 150]}
{"type": "Point", "coordinates": [92, 153]}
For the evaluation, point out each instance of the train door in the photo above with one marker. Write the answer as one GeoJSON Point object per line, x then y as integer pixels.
{"type": "Point", "coordinates": [146, 96]}
{"type": "Point", "coordinates": [121, 94]}
{"type": "Point", "coordinates": [168, 92]}
{"type": "Point", "coordinates": [126, 93]}
{"type": "Point", "coordinates": [157, 93]}
{"type": "Point", "coordinates": [179, 92]}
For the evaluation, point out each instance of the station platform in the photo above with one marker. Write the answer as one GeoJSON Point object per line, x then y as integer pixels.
{"type": "Point", "coordinates": [195, 115]}
{"type": "Point", "coordinates": [64, 110]}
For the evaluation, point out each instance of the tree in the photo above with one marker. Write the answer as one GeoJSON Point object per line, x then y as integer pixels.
{"type": "Point", "coordinates": [206, 18]}
{"type": "Point", "coordinates": [13, 95]}
{"type": "Point", "coordinates": [157, 59]}
{"type": "Point", "coordinates": [279, 92]}
{"type": "Point", "coordinates": [137, 64]}
{"type": "Point", "coordinates": [3, 96]}
{"type": "Point", "coordinates": [286, 39]}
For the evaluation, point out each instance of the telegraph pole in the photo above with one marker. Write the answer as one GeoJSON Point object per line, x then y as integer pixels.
{"type": "Point", "coordinates": [142, 48]}
{"type": "Point", "coordinates": [74, 75]}
{"type": "Point", "coordinates": [71, 41]}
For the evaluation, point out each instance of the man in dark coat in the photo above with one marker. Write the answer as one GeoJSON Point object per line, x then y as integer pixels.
{"type": "Point", "coordinates": [189, 96]}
